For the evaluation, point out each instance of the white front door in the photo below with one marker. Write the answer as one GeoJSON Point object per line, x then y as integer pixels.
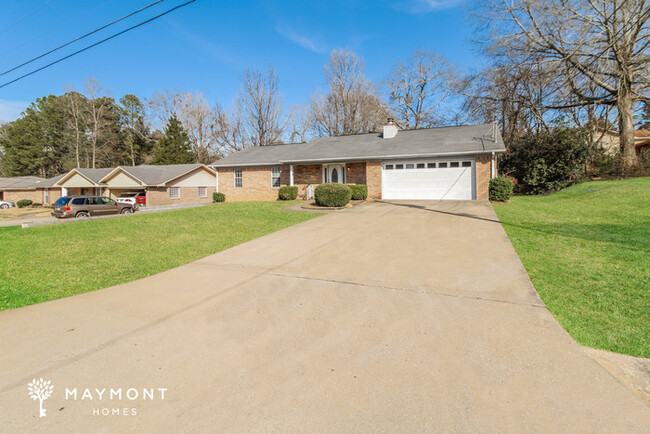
{"type": "Point", "coordinates": [334, 173]}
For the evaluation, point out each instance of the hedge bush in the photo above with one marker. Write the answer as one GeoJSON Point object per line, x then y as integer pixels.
{"type": "Point", "coordinates": [218, 197]}
{"type": "Point", "coordinates": [548, 161]}
{"type": "Point", "coordinates": [288, 193]}
{"type": "Point", "coordinates": [501, 189]}
{"type": "Point", "coordinates": [22, 203]}
{"type": "Point", "coordinates": [332, 194]}
{"type": "Point", "coordinates": [359, 191]}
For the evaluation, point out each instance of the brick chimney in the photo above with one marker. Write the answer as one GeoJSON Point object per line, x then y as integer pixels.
{"type": "Point", "coordinates": [390, 129]}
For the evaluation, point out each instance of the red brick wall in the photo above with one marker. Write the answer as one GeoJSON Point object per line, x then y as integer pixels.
{"type": "Point", "coordinates": [483, 175]}
{"type": "Point", "coordinates": [306, 174]}
{"type": "Point", "coordinates": [373, 179]}
{"type": "Point", "coordinates": [355, 173]}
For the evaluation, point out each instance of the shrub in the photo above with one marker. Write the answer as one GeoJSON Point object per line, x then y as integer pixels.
{"type": "Point", "coordinates": [288, 193]}
{"type": "Point", "coordinates": [548, 161]}
{"type": "Point", "coordinates": [501, 189]}
{"type": "Point", "coordinates": [22, 203]}
{"type": "Point", "coordinates": [218, 197]}
{"type": "Point", "coordinates": [332, 194]}
{"type": "Point", "coordinates": [359, 191]}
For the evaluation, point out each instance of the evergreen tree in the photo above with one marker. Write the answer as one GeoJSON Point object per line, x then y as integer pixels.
{"type": "Point", "coordinates": [174, 147]}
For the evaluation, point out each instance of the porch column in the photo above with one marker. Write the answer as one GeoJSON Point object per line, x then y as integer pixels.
{"type": "Point", "coordinates": [291, 175]}
{"type": "Point", "coordinates": [216, 180]}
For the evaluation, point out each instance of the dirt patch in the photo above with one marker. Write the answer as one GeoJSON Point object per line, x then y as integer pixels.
{"type": "Point", "coordinates": [634, 372]}
{"type": "Point", "coordinates": [24, 213]}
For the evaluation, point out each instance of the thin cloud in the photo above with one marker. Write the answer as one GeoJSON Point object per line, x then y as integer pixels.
{"type": "Point", "coordinates": [301, 40]}
{"type": "Point", "coordinates": [11, 110]}
{"type": "Point", "coordinates": [426, 6]}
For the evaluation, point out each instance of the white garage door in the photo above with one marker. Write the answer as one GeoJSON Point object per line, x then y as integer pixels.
{"type": "Point", "coordinates": [428, 180]}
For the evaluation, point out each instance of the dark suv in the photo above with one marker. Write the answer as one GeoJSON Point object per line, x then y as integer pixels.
{"type": "Point", "coordinates": [87, 206]}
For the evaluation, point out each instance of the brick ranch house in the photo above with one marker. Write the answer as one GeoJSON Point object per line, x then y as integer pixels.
{"type": "Point", "coordinates": [434, 163]}
{"type": "Point", "coordinates": [38, 190]}
{"type": "Point", "coordinates": [163, 185]}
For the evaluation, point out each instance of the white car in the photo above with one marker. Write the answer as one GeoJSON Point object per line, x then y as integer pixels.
{"type": "Point", "coordinates": [6, 204]}
{"type": "Point", "coordinates": [133, 199]}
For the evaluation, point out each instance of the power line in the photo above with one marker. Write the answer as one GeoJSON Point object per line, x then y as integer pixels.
{"type": "Point", "coordinates": [96, 44]}
{"type": "Point", "coordinates": [80, 38]}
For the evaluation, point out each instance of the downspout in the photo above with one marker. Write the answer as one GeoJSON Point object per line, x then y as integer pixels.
{"type": "Point", "coordinates": [493, 166]}
{"type": "Point", "coordinates": [291, 175]}
{"type": "Point", "coordinates": [216, 179]}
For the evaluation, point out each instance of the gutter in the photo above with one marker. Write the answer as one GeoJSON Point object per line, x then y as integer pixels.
{"type": "Point", "coordinates": [372, 157]}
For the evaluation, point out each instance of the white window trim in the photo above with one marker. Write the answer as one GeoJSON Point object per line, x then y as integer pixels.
{"type": "Point", "coordinates": [172, 189]}
{"type": "Point", "coordinates": [279, 176]}
{"type": "Point", "coordinates": [241, 171]}
{"type": "Point", "coordinates": [46, 196]}
{"type": "Point", "coordinates": [205, 189]}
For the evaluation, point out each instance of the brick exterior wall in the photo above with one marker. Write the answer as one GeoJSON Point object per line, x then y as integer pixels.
{"type": "Point", "coordinates": [160, 196]}
{"type": "Point", "coordinates": [483, 175]}
{"type": "Point", "coordinates": [373, 179]}
{"type": "Point", "coordinates": [355, 173]}
{"type": "Point", "coordinates": [256, 184]}
{"type": "Point", "coordinates": [35, 196]}
{"type": "Point", "coordinates": [306, 174]}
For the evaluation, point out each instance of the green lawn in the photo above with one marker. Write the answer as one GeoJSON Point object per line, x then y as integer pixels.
{"type": "Point", "coordinates": [587, 250]}
{"type": "Point", "coordinates": [51, 262]}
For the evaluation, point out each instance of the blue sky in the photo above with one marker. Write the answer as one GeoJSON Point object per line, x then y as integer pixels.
{"type": "Point", "coordinates": [206, 45]}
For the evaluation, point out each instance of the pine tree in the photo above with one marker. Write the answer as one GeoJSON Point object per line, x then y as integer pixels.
{"type": "Point", "coordinates": [175, 147]}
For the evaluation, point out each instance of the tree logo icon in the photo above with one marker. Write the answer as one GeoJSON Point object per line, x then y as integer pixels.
{"type": "Point", "coordinates": [40, 390]}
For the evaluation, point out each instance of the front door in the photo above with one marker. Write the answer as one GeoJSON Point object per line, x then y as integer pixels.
{"type": "Point", "coordinates": [334, 173]}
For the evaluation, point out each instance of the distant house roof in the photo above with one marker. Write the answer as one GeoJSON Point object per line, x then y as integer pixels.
{"type": "Point", "coordinates": [430, 142]}
{"type": "Point", "coordinates": [20, 182]}
{"type": "Point", "coordinates": [50, 181]}
{"type": "Point", "coordinates": [642, 134]}
{"type": "Point", "coordinates": [150, 175]}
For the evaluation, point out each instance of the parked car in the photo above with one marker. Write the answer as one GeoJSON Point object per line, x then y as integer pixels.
{"type": "Point", "coordinates": [135, 199]}
{"type": "Point", "coordinates": [4, 204]}
{"type": "Point", "coordinates": [88, 206]}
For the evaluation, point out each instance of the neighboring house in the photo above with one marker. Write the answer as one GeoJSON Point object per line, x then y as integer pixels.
{"type": "Point", "coordinates": [609, 140]}
{"type": "Point", "coordinates": [163, 185]}
{"type": "Point", "coordinates": [641, 141]}
{"type": "Point", "coordinates": [38, 190]}
{"type": "Point", "coordinates": [433, 163]}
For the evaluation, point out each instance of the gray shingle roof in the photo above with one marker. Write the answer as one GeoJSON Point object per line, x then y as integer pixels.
{"type": "Point", "coordinates": [430, 142]}
{"type": "Point", "coordinates": [20, 183]}
{"type": "Point", "coordinates": [158, 175]}
{"type": "Point", "coordinates": [94, 174]}
{"type": "Point", "coordinates": [50, 181]}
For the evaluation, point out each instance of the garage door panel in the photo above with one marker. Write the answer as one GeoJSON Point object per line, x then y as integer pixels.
{"type": "Point", "coordinates": [454, 183]}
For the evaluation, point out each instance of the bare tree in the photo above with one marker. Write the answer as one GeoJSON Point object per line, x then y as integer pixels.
{"type": "Point", "coordinates": [261, 106]}
{"type": "Point", "coordinates": [75, 106]}
{"type": "Point", "coordinates": [419, 86]}
{"type": "Point", "coordinates": [301, 124]}
{"type": "Point", "coordinates": [133, 120]}
{"type": "Point", "coordinates": [600, 50]}
{"type": "Point", "coordinates": [97, 114]}
{"type": "Point", "coordinates": [200, 123]}
{"type": "Point", "coordinates": [230, 132]}
{"type": "Point", "coordinates": [351, 106]}
{"type": "Point", "coordinates": [165, 104]}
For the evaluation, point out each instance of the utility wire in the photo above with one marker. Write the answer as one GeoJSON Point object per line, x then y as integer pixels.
{"type": "Point", "coordinates": [96, 44]}
{"type": "Point", "coordinates": [80, 38]}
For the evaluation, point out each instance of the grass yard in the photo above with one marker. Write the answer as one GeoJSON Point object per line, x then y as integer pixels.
{"type": "Point", "coordinates": [587, 250]}
{"type": "Point", "coordinates": [50, 262]}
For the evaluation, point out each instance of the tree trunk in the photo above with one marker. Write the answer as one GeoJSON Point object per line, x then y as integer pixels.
{"type": "Point", "coordinates": [626, 128]}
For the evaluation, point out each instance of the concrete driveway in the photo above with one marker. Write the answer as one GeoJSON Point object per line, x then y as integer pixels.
{"type": "Point", "coordinates": [388, 317]}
